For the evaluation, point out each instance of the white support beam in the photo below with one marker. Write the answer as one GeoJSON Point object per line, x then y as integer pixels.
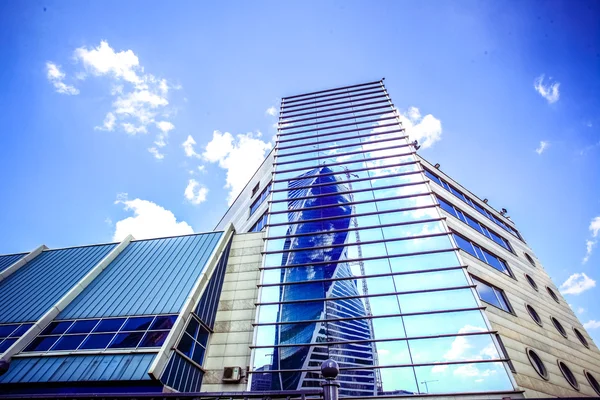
{"type": "Point", "coordinates": [161, 359]}
{"type": "Point", "coordinates": [43, 322]}
{"type": "Point", "coordinates": [18, 264]}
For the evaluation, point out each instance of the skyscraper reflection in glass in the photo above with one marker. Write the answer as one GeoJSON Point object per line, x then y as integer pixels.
{"type": "Point", "coordinates": [359, 266]}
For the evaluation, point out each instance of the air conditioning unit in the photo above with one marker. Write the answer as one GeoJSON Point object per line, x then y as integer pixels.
{"type": "Point", "coordinates": [232, 374]}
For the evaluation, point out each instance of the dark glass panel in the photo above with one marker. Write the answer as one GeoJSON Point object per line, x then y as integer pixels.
{"type": "Point", "coordinates": [433, 177]}
{"type": "Point", "coordinates": [6, 330]}
{"type": "Point", "coordinates": [97, 341]}
{"type": "Point", "coordinates": [126, 340]}
{"type": "Point", "coordinates": [486, 293]}
{"type": "Point", "coordinates": [6, 344]}
{"type": "Point", "coordinates": [57, 328]}
{"type": "Point", "coordinates": [463, 378]}
{"type": "Point", "coordinates": [109, 325]}
{"type": "Point", "coordinates": [137, 323]}
{"type": "Point", "coordinates": [474, 224]}
{"type": "Point", "coordinates": [154, 339]}
{"type": "Point", "coordinates": [192, 327]}
{"type": "Point", "coordinates": [163, 322]}
{"type": "Point", "coordinates": [84, 326]}
{"type": "Point", "coordinates": [495, 262]}
{"type": "Point", "coordinates": [68, 342]}
{"type": "Point", "coordinates": [20, 331]}
{"type": "Point", "coordinates": [186, 345]}
{"type": "Point", "coordinates": [198, 355]}
{"type": "Point", "coordinates": [42, 343]}
{"type": "Point", "coordinates": [465, 245]}
{"type": "Point", "coordinates": [447, 207]}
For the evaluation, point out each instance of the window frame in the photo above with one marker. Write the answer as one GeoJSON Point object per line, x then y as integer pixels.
{"type": "Point", "coordinates": [497, 292]}
{"type": "Point", "coordinates": [481, 256]}
{"type": "Point", "coordinates": [559, 327]}
{"type": "Point", "coordinates": [540, 367]}
{"type": "Point", "coordinates": [562, 366]}
{"type": "Point", "coordinates": [581, 338]}
{"type": "Point", "coordinates": [529, 308]}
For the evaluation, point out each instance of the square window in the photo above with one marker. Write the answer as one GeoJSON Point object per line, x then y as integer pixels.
{"type": "Point", "coordinates": [84, 326]}
{"type": "Point", "coordinates": [198, 354]}
{"type": "Point", "coordinates": [154, 339]}
{"type": "Point", "coordinates": [109, 325]}
{"type": "Point", "coordinates": [192, 328]}
{"type": "Point", "coordinates": [126, 340]}
{"type": "Point", "coordinates": [68, 342]}
{"type": "Point", "coordinates": [57, 328]}
{"type": "Point", "coordinates": [97, 341]}
{"type": "Point", "coordinates": [42, 343]}
{"type": "Point", "coordinates": [255, 189]}
{"type": "Point", "coordinates": [137, 323]}
{"type": "Point", "coordinates": [186, 345]}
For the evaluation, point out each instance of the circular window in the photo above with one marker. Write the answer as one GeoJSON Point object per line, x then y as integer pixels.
{"type": "Point", "coordinates": [533, 314]}
{"type": "Point", "coordinates": [537, 363]}
{"type": "Point", "coordinates": [552, 294]}
{"type": "Point", "coordinates": [559, 326]}
{"type": "Point", "coordinates": [531, 282]}
{"type": "Point", "coordinates": [593, 382]}
{"type": "Point", "coordinates": [528, 257]}
{"type": "Point", "coordinates": [566, 371]}
{"type": "Point", "coordinates": [581, 338]}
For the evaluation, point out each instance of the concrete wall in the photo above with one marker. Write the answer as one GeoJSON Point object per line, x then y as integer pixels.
{"type": "Point", "coordinates": [518, 331]}
{"type": "Point", "coordinates": [230, 343]}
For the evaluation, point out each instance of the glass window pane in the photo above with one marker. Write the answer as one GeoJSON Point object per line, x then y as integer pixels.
{"type": "Point", "coordinates": [418, 245]}
{"type": "Point", "coordinates": [154, 339]}
{"type": "Point", "coordinates": [84, 326]}
{"type": "Point", "coordinates": [482, 377]}
{"type": "Point", "coordinates": [20, 331]}
{"type": "Point", "coordinates": [436, 301]}
{"type": "Point", "coordinates": [502, 300]}
{"type": "Point", "coordinates": [137, 323]}
{"type": "Point", "coordinates": [42, 343]}
{"type": "Point", "coordinates": [398, 380]}
{"type": "Point", "coordinates": [474, 224]}
{"type": "Point", "coordinates": [430, 280]}
{"type": "Point", "coordinates": [486, 293]}
{"type": "Point", "coordinates": [447, 207]}
{"type": "Point", "coordinates": [6, 330]}
{"type": "Point", "coordinates": [6, 344]}
{"type": "Point", "coordinates": [192, 327]}
{"type": "Point", "coordinates": [186, 345]}
{"type": "Point", "coordinates": [97, 341]}
{"type": "Point", "coordinates": [387, 328]}
{"type": "Point", "coordinates": [465, 245]}
{"type": "Point", "coordinates": [202, 336]}
{"type": "Point", "coordinates": [109, 325]}
{"type": "Point", "coordinates": [495, 262]}
{"type": "Point", "coordinates": [443, 323]}
{"type": "Point", "coordinates": [198, 355]}
{"type": "Point", "coordinates": [458, 348]}
{"type": "Point", "coordinates": [393, 352]}
{"type": "Point", "coordinates": [126, 340]}
{"type": "Point", "coordinates": [163, 322]}
{"type": "Point", "coordinates": [424, 262]}
{"type": "Point", "coordinates": [68, 342]}
{"type": "Point", "coordinates": [57, 327]}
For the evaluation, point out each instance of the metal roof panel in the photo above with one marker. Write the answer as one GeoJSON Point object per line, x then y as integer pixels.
{"type": "Point", "coordinates": [9, 259]}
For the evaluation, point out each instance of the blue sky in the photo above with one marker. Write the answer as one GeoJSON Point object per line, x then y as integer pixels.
{"type": "Point", "coordinates": [70, 175]}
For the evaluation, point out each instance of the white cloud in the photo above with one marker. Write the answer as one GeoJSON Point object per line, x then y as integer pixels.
{"type": "Point", "coordinates": [271, 111]}
{"type": "Point", "coordinates": [577, 284]}
{"type": "Point", "coordinates": [201, 168]}
{"type": "Point", "coordinates": [165, 126]}
{"type": "Point", "coordinates": [56, 77]}
{"type": "Point", "coordinates": [108, 124]}
{"type": "Point", "coordinates": [592, 324]}
{"type": "Point", "coordinates": [132, 129]}
{"type": "Point", "coordinates": [149, 220]}
{"type": "Point", "coordinates": [580, 310]}
{"type": "Point", "coordinates": [157, 154]}
{"type": "Point", "coordinates": [195, 193]}
{"type": "Point", "coordinates": [550, 91]}
{"type": "Point", "coordinates": [104, 60]}
{"type": "Point", "coordinates": [543, 146]}
{"type": "Point", "coordinates": [188, 147]}
{"type": "Point", "coordinates": [163, 136]}
{"type": "Point", "coordinates": [590, 244]}
{"type": "Point", "coordinates": [426, 130]}
{"type": "Point", "coordinates": [240, 157]}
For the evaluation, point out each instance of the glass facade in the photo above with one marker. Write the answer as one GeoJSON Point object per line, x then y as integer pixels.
{"type": "Point", "coordinates": [359, 265]}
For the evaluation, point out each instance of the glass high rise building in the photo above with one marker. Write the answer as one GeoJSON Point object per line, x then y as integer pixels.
{"type": "Point", "coordinates": [360, 265]}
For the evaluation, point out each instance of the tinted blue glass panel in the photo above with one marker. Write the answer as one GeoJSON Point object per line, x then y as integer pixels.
{"type": "Point", "coordinates": [186, 345]}
{"type": "Point", "coordinates": [126, 340]}
{"type": "Point", "coordinates": [6, 344]}
{"type": "Point", "coordinates": [198, 355]}
{"type": "Point", "coordinates": [447, 206]}
{"type": "Point", "coordinates": [6, 330]}
{"type": "Point", "coordinates": [465, 245]}
{"type": "Point", "coordinates": [154, 339]}
{"type": "Point", "coordinates": [499, 240]}
{"type": "Point", "coordinates": [21, 330]}
{"type": "Point", "coordinates": [137, 324]}
{"type": "Point", "coordinates": [202, 336]}
{"type": "Point", "coordinates": [42, 343]}
{"type": "Point", "coordinates": [163, 322]}
{"type": "Point", "coordinates": [97, 341]}
{"type": "Point", "coordinates": [57, 328]}
{"type": "Point", "coordinates": [495, 262]}
{"type": "Point", "coordinates": [474, 224]}
{"type": "Point", "coordinates": [433, 177]}
{"type": "Point", "coordinates": [109, 325]}
{"type": "Point", "coordinates": [84, 326]}
{"type": "Point", "coordinates": [480, 209]}
{"type": "Point", "coordinates": [458, 194]}
{"type": "Point", "coordinates": [68, 342]}
{"type": "Point", "coordinates": [192, 327]}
